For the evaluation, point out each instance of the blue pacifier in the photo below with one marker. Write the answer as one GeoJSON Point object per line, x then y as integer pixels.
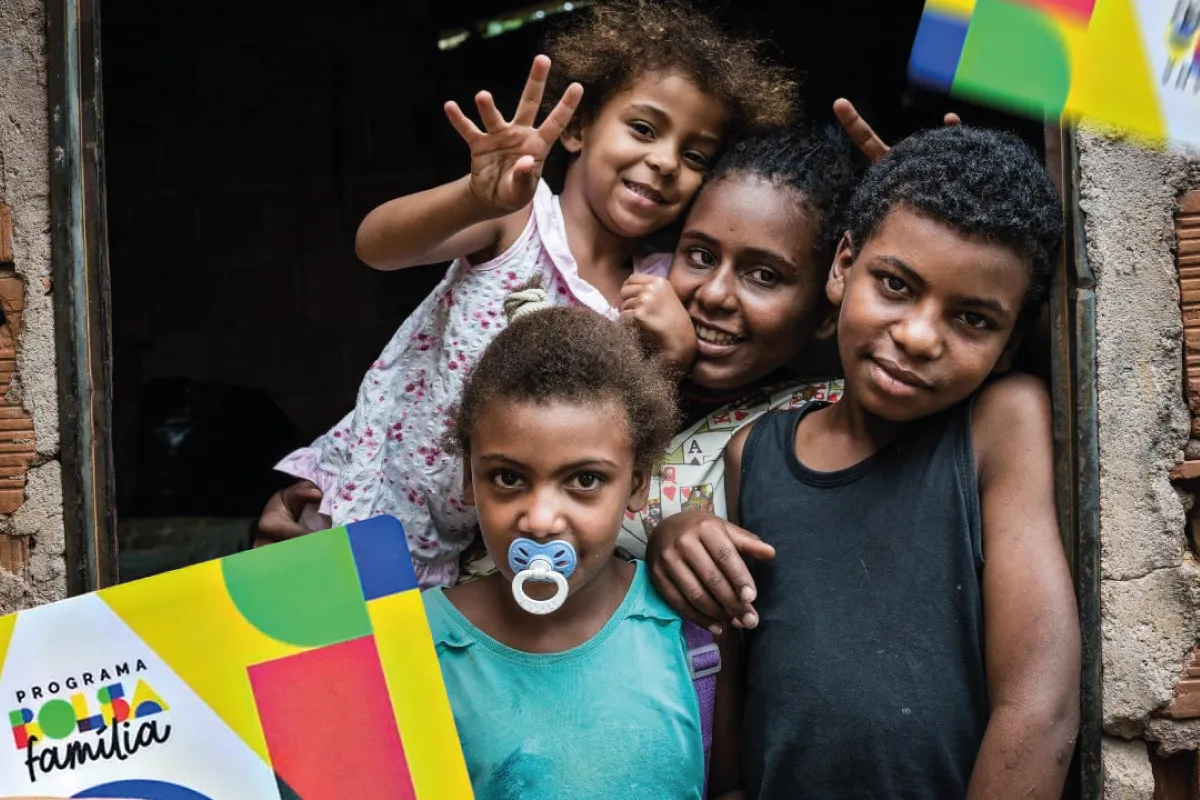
{"type": "Point", "coordinates": [552, 562]}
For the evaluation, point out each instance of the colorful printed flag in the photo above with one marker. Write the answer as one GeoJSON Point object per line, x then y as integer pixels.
{"type": "Point", "coordinates": [1134, 64]}
{"type": "Point", "coordinates": [302, 670]}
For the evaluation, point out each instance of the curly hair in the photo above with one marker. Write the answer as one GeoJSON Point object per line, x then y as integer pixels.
{"type": "Point", "coordinates": [572, 355]}
{"type": "Point", "coordinates": [615, 42]}
{"type": "Point", "coordinates": [817, 162]}
{"type": "Point", "coordinates": [980, 182]}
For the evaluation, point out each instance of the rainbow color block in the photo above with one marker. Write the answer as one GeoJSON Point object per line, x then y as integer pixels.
{"type": "Point", "coordinates": [1134, 64]}
{"type": "Point", "coordinates": [302, 671]}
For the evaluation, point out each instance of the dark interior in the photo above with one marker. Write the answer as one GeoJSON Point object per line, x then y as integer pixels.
{"type": "Point", "coordinates": [244, 143]}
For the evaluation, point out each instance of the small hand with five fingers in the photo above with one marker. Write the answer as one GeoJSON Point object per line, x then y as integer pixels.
{"type": "Point", "coordinates": [507, 157]}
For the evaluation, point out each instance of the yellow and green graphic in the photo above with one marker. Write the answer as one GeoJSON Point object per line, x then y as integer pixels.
{"type": "Point", "coordinates": [309, 663]}
{"type": "Point", "coordinates": [1128, 63]}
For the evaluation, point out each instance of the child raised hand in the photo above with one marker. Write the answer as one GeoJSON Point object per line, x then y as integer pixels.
{"type": "Point", "coordinates": [864, 136]}
{"type": "Point", "coordinates": [645, 95]}
{"type": "Point", "coordinates": [507, 156]}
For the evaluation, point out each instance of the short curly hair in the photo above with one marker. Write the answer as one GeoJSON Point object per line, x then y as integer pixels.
{"type": "Point", "coordinates": [980, 182]}
{"type": "Point", "coordinates": [615, 42]}
{"type": "Point", "coordinates": [816, 161]}
{"type": "Point", "coordinates": [572, 355]}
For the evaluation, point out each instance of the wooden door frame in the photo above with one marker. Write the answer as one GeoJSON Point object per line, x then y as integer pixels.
{"type": "Point", "coordinates": [80, 270]}
{"type": "Point", "coordinates": [1077, 463]}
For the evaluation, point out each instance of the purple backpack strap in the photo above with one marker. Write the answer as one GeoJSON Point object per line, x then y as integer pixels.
{"type": "Point", "coordinates": [704, 662]}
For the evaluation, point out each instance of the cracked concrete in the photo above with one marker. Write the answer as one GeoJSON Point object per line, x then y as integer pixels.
{"type": "Point", "coordinates": [1128, 197]}
{"type": "Point", "coordinates": [1150, 585]}
{"type": "Point", "coordinates": [1148, 626]}
{"type": "Point", "coordinates": [1127, 774]}
{"type": "Point", "coordinates": [25, 188]}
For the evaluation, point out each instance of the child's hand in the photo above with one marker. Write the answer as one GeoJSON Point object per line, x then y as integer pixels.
{"type": "Point", "coordinates": [507, 160]}
{"type": "Point", "coordinates": [652, 304]}
{"type": "Point", "coordinates": [281, 517]}
{"type": "Point", "coordinates": [863, 135]}
{"type": "Point", "coordinates": [697, 564]}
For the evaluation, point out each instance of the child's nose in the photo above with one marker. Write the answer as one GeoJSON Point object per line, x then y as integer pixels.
{"type": "Point", "coordinates": [543, 516]}
{"type": "Point", "coordinates": [919, 336]}
{"type": "Point", "coordinates": [718, 292]}
{"type": "Point", "coordinates": [663, 160]}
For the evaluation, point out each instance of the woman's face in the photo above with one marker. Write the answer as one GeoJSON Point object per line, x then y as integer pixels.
{"type": "Point", "coordinates": [744, 270]}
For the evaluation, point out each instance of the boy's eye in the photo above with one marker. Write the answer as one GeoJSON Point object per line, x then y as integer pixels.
{"type": "Point", "coordinates": [506, 479]}
{"type": "Point", "coordinates": [587, 481]}
{"type": "Point", "coordinates": [642, 128]}
{"type": "Point", "coordinates": [976, 320]}
{"type": "Point", "coordinates": [697, 159]}
{"type": "Point", "coordinates": [894, 285]}
{"type": "Point", "coordinates": [699, 257]}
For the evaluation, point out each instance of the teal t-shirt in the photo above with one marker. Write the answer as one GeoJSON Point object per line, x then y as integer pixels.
{"type": "Point", "coordinates": [616, 717]}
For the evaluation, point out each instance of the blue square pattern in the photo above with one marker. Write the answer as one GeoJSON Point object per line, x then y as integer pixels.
{"type": "Point", "coordinates": [381, 557]}
{"type": "Point", "coordinates": [937, 50]}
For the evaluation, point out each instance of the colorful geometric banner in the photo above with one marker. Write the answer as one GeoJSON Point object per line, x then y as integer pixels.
{"type": "Point", "coordinates": [304, 670]}
{"type": "Point", "coordinates": [1129, 63]}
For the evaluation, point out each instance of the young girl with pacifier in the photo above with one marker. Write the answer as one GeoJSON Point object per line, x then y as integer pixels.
{"type": "Point", "coordinates": [568, 676]}
{"type": "Point", "coordinates": [649, 93]}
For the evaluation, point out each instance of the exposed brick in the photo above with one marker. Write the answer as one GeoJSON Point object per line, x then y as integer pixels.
{"type": "Point", "coordinates": [10, 427]}
{"type": "Point", "coordinates": [1187, 229]}
{"type": "Point", "coordinates": [1188, 470]}
{"type": "Point", "coordinates": [14, 552]}
{"type": "Point", "coordinates": [6, 235]}
{"type": "Point", "coordinates": [11, 500]}
{"type": "Point", "coordinates": [12, 294]}
{"type": "Point", "coordinates": [1186, 703]}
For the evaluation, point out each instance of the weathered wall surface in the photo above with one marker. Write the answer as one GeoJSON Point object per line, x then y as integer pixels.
{"type": "Point", "coordinates": [1150, 585]}
{"type": "Point", "coordinates": [32, 567]}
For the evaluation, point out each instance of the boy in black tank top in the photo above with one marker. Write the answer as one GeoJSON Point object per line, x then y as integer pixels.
{"type": "Point", "coordinates": [915, 634]}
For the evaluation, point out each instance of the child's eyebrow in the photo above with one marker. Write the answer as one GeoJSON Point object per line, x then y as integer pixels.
{"type": "Point", "coordinates": [651, 110]}
{"type": "Point", "coordinates": [759, 253]}
{"type": "Point", "coordinates": [983, 303]}
{"type": "Point", "coordinates": [897, 263]}
{"type": "Point", "coordinates": [500, 458]}
{"type": "Point", "coordinates": [588, 462]}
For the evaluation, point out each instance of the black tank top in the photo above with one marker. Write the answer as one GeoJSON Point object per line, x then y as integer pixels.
{"type": "Point", "coordinates": [865, 676]}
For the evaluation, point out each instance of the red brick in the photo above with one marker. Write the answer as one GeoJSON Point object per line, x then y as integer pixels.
{"type": "Point", "coordinates": [1186, 471]}
{"type": "Point", "coordinates": [11, 500]}
{"type": "Point", "coordinates": [1190, 203]}
{"type": "Point", "coordinates": [6, 235]}
{"type": "Point", "coordinates": [10, 427]}
{"type": "Point", "coordinates": [14, 552]}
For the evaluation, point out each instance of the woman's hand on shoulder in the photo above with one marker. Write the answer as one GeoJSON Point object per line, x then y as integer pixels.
{"type": "Point", "coordinates": [507, 156]}
{"type": "Point", "coordinates": [697, 563]}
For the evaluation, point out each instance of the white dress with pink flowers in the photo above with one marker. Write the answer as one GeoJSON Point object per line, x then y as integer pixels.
{"type": "Point", "coordinates": [385, 457]}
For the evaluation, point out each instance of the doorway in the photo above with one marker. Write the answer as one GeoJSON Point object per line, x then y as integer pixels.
{"type": "Point", "coordinates": [236, 149]}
